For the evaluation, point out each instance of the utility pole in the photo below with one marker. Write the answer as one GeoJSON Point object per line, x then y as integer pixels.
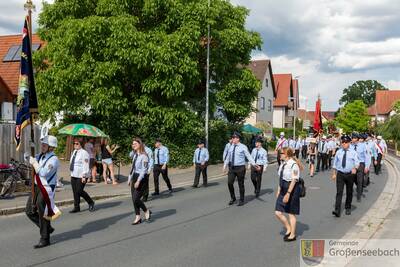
{"type": "Point", "coordinates": [208, 75]}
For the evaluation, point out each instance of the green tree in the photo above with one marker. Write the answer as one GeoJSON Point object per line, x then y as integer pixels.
{"type": "Point", "coordinates": [136, 67]}
{"type": "Point", "coordinates": [361, 90]}
{"type": "Point", "coordinates": [396, 107]}
{"type": "Point", "coordinates": [391, 129]}
{"type": "Point", "coordinates": [353, 117]}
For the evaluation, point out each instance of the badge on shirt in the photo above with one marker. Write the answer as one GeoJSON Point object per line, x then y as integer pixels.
{"type": "Point", "coordinates": [146, 164]}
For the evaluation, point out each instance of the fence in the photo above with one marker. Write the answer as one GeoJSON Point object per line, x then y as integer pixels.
{"type": "Point", "coordinates": [7, 145]}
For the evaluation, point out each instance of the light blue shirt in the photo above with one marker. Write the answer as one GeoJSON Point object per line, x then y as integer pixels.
{"type": "Point", "coordinates": [351, 160]}
{"type": "Point", "coordinates": [225, 154]}
{"type": "Point", "coordinates": [141, 166]}
{"type": "Point", "coordinates": [371, 148]}
{"type": "Point", "coordinates": [297, 145]}
{"type": "Point", "coordinates": [362, 153]}
{"type": "Point", "coordinates": [48, 166]}
{"type": "Point", "coordinates": [260, 156]}
{"type": "Point", "coordinates": [323, 147]}
{"type": "Point", "coordinates": [292, 143]}
{"type": "Point", "coordinates": [149, 153]}
{"type": "Point", "coordinates": [241, 153]}
{"type": "Point", "coordinates": [161, 153]}
{"type": "Point", "coordinates": [203, 153]}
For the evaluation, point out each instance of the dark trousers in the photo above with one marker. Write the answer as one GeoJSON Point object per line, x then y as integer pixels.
{"type": "Point", "coordinates": [35, 212]}
{"type": "Point", "coordinates": [297, 153]}
{"type": "Point", "coordinates": [239, 172]}
{"type": "Point", "coordinates": [200, 169]}
{"type": "Point", "coordinates": [156, 172]}
{"type": "Point", "coordinates": [137, 193]}
{"type": "Point", "coordinates": [256, 178]}
{"type": "Point", "coordinates": [360, 179]}
{"type": "Point", "coordinates": [378, 166]}
{"type": "Point", "coordinates": [304, 152]}
{"type": "Point", "coordinates": [278, 157]}
{"type": "Point", "coordinates": [343, 179]}
{"type": "Point", "coordinates": [146, 187]}
{"type": "Point", "coordinates": [78, 191]}
{"type": "Point", "coordinates": [329, 159]}
{"type": "Point", "coordinates": [322, 161]}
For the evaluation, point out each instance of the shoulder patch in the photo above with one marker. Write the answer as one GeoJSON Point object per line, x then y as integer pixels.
{"type": "Point", "coordinates": [86, 160]}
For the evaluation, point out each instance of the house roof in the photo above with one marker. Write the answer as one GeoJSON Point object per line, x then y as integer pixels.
{"type": "Point", "coordinates": [284, 89]}
{"type": "Point", "coordinates": [9, 71]}
{"type": "Point", "coordinates": [259, 68]}
{"type": "Point", "coordinates": [384, 101]}
{"type": "Point", "coordinates": [329, 115]}
{"type": "Point", "coordinates": [309, 115]}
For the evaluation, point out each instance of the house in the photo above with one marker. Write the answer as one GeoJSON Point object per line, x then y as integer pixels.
{"type": "Point", "coordinates": [287, 99]}
{"type": "Point", "coordinates": [10, 54]}
{"type": "Point", "coordinates": [382, 109]}
{"type": "Point", "coordinates": [308, 117]}
{"type": "Point", "coordinates": [262, 69]}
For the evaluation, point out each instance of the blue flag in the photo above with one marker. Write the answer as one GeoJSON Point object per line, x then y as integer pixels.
{"type": "Point", "coordinates": [27, 104]}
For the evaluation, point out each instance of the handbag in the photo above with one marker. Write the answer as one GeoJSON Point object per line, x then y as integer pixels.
{"type": "Point", "coordinates": [301, 185]}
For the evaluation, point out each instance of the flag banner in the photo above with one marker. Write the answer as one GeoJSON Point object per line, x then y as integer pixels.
{"type": "Point", "coordinates": [27, 104]}
{"type": "Point", "coordinates": [317, 118]}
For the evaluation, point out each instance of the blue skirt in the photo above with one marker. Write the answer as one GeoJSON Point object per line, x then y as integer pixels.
{"type": "Point", "coordinates": [293, 205]}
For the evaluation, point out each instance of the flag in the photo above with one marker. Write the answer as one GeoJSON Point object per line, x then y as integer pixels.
{"type": "Point", "coordinates": [27, 104]}
{"type": "Point", "coordinates": [318, 118]}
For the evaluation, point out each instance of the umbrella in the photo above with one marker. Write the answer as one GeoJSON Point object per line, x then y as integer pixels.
{"type": "Point", "coordinates": [82, 129]}
{"type": "Point", "coordinates": [251, 129]}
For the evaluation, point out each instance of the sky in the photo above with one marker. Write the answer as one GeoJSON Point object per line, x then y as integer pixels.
{"type": "Point", "coordinates": [329, 44]}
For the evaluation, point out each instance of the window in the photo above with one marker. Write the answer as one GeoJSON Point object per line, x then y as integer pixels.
{"type": "Point", "coordinates": [262, 103]}
{"type": "Point", "coordinates": [266, 82]}
{"type": "Point", "coordinates": [269, 105]}
{"type": "Point", "coordinates": [14, 53]}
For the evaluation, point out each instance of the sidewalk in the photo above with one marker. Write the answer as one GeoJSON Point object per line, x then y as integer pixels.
{"type": "Point", "coordinates": [178, 177]}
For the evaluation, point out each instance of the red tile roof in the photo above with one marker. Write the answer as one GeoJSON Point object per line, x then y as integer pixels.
{"type": "Point", "coordinates": [9, 71]}
{"type": "Point", "coordinates": [329, 115]}
{"type": "Point", "coordinates": [309, 115]}
{"type": "Point", "coordinates": [259, 68]}
{"type": "Point", "coordinates": [284, 89]}
{"type": "Point", "coordinates": [384, 101]}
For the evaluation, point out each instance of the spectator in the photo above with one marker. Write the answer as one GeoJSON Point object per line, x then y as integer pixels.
{"type": "Point", "coordinates": [89, 147]}
{"type": "Point", "coordinates": [107, 162]}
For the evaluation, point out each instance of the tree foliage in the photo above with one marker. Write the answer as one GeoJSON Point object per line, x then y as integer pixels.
{"type": "Point", "coordinates": [353, 117]}
{"type": "Point", "coordinates": [361, 90]}
{"type": "Point", "coordinates": [137, 67]}
{"type": "Point", "coordinates": [391, 128]}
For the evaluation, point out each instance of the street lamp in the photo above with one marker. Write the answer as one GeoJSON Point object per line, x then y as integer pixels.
{"type": "Point", "coordinates": [208, 76]}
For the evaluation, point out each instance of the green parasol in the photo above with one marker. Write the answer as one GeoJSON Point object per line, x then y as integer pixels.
{"type": "Point", "coordinates": [247, 128]}
{"type": "Point", "coordinates": [82, 129]}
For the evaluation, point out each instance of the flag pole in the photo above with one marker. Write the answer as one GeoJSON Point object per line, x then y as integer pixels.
{"type": "Point", "coordinates": [29, 6]}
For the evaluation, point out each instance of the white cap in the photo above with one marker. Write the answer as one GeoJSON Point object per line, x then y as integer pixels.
{"type": "Point", "coordinates": [379, 137]}
{"type": "Point", "coordinates": [282, 134]}
{"type": "Point", "coordinates": [324, 137]}
{"type": "Point", "coordinates": [50, 140]}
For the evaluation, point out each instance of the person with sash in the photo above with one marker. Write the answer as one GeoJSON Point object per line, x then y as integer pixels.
{"type": "Point", "coordinates": [280, 145]}
{"type": "Point", "coordinates": [380, 147]}
{"type": "Point", "coordinates": [200, 162]}
{"type": "Point", "coordinates": [41, 210]}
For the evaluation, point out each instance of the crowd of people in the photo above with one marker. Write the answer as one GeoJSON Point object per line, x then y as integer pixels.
{"type": "Point", "coordinates": [350, 158]}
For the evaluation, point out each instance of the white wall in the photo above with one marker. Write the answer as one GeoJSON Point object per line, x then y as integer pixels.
{"type": "Point", "coordinates": [279, 117]}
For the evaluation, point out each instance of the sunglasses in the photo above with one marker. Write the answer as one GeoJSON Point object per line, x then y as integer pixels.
{"type": "Point", "coordinates": [76, 143]}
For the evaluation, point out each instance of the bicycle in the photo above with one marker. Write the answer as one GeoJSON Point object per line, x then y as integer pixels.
{"type": "Point", "coordinates": [12, 174]}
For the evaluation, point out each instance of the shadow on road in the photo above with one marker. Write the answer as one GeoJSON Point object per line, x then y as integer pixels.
{"type": "Point", "coordinates": [300, 229]}
{"type": "Point", "coordinates": [161, 214]}
{"type": "Point", "coordinates": [262, 192]}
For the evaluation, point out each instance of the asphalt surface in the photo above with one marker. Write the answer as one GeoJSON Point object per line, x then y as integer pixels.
{"type": "Point", "coordinates": [192, 227]}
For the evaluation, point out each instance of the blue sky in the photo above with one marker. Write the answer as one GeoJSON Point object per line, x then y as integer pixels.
{"type": "Point", "coordinates": [329, 44]}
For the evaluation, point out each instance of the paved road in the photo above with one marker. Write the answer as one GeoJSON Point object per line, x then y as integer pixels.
{"type": "Point", "coordinates": [194, 227]}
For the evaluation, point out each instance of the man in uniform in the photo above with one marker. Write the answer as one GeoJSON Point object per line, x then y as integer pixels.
{"type": "Point", "coordinates": [42, 209]}
{"type": "Point", "coordinates": [380, 147]}
{"type": "Point", "coordinates": [297, 147]}
{"type": "Point", "coordinates": [304, 148]}
{"type": "Point", "coordinates": [260, 157]}
{"type": "Point", "coordinates": [364, 161]}
{"type": "Point", "coordinates": [226, 149]}
{"type": "Point", "coordinates": [345, 166]}
{"type": "Point", "coordinates": [322, 154]}
{"type": "Point", "coordinates": [236, 161]}
{"type": "Point", "coordinates": [200, 162]}
{"type": "Point", "coordinates": [80, 172]}
{"type": "Point", "coordinates": [280, 145]}
{"type": "Point", "coordinates": [370, 143]}
{"type": "Point", "coordinates": [331, 150]}
{"type": "Point", "coordinates": [161, 159]}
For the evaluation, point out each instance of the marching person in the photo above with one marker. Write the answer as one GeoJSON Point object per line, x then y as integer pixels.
{"type": "Point", "coordinates": [137, 179]}
{"type": "Point", "coordinates": [380, 148]}
{"type": "Point", "coordinates": [364, 162]}
{"type": "Point", "coordinates": [312, 154]}
{"type": "Point", "coordinates": [42, 209]}
{"type": "Point", "coordinates": [288, 193]}
{"type": "Point", "coordinates": [200, 162]}
{"type": "Point", "coordinates": [322, 154]}
{"type": "Point", "coordinates": [297, 147]}
{"type": "Point", "coordinates": [280, 145]}
{"type": "Point", "coordinates": [373, 154]}
{"type": "Point", "coordinates": [260, 157]}
{"type": "Point", "coordinates": [236, 161]}
{"type": "Point", "coordinates": [304, 147]}
{"type": "Point", "coordinates": [345, 167]}
{"type": "Point", "coordinates": [79, 167]}
{"type": "Point", "coordinates": [331, 150]}
{"type": "Point", "coordinates": [161, 159]}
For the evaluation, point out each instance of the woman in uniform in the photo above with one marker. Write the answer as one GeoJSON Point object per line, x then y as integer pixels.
{"type": "Point", "coordinates": [312, 153]}
{"type": "Point", "coordinates": [138, 179]}
{"type": "Point", "coordinates": [288, 193]}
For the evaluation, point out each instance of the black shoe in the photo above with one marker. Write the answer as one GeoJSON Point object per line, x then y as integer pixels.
{"type": "Point", "coordinates": [74, 210]}
{"type": "Point", "coordinates": [287, 239]}
{"type": "Point", "coordinates": [42, 244]}
{"type": "Point", "coordinates": [170, 191]}
{"type": "Point", "coordinates": [145, 199]}
{"type": "Point", "coordinates": [205, 185]}
{"type": "Point", "coordinates": [358, 199]}
{"type": "Point", "coordinates": [232, 202]}
{"type": "Point", "coordinates": [257, 194]}
{"type": "Point", "coordinates": [241, 203]}
{"type": "Point", "coordinates": [155, 194]}
{"type": "Point", "coordinates": [138, 222]}
{"type": "Point", "coordinates": [286, 235]}
{"type": "Point", "coordinates": [91, 207]}
{"type": "Point", "coordinates": [51, 230]}
{"type": "Point", "coordinates": [194, 186]}
{"type": "Point", "coordinates": [336, 213]}
{"type": "Point", "coordinates": [348, 211]}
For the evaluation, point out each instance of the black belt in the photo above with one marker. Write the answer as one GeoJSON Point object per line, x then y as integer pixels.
{"type": "Point", "coordinates": [238, 166]}
{"type": "Point", "coordinates": [345, 173]}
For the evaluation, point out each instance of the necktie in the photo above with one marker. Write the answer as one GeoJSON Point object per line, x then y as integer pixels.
{"type": "Point", "coordinates": [355, 148]}
{"type": "Point", "coordinates": [198, 157]}
{"type": "Point", "coordinates": [158, 156]}
{"type": "Point", "coordinates": [233, 156]}
{"type": "Point", "coordinates": [133, 163]}
{"type": "Point", "coordinates": [323, 145]}
{"type": "Point", "coordinates": [344, 159]}
{"type": "Point", "coordinates": [71, 166]}
{"type": "Point", "coordinates": [281, 174]}
{"type": "Point", "coordinates": [256, 155]}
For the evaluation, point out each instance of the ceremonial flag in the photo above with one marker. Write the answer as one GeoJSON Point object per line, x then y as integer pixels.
{"type": "Point", "coordinates": [27, 104]}
{"type": "Point", "coordinates": [318, 118]}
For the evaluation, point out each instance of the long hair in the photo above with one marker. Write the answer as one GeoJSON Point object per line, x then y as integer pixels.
{"type": "Point", "coordinates": [141, 145]}
{"type": "Point", "coordinates": [291, 155]}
